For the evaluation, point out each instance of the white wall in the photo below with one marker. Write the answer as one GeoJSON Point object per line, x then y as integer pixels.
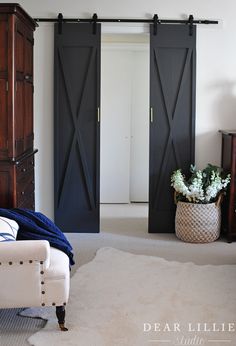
{"type": "Point", "coordinates": [43, 119]}
{"type": "Point", "coordinates": [216, 72]}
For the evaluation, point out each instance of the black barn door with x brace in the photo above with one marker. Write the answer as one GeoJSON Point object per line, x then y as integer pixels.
{"type": "Point", "coordinates": [77, 129]}
{"type": "Point", "coordinates": [172, 113]}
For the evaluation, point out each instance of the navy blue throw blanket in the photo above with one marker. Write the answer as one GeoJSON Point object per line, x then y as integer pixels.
{"type": "Point", "coordinates": [36, 226]}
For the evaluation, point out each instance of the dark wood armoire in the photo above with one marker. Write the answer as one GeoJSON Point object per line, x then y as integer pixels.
{"type": "Point", "coordinates": [16, 108]}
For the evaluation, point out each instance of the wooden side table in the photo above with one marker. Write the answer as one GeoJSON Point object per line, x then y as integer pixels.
{"type": "Point", "coordinates": [228, 163]}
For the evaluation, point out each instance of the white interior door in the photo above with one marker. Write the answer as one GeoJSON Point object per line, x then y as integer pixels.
{"type": "Point", "coordinates": [124, 123]}
{"type": "Point", "coordinates": [115, 125]}
{"type": "Point", "coordinates": [139, 149]}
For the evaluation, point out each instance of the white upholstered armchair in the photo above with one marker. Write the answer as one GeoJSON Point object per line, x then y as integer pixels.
{"type": "Point", "coordinates": [33, 274]}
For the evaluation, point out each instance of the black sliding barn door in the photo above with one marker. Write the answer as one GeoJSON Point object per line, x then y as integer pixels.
{"type": "Point", "coordinates": [77, 130]}
{"type": "Point", "coordinates": [172, 126]}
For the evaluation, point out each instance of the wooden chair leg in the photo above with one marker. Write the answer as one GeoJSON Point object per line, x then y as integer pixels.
{"type": "Point", "coordinates": [61, 312]}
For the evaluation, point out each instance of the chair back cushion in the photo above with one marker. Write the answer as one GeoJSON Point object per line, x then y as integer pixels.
{"type": "Point", "coordinates": [8, 229]}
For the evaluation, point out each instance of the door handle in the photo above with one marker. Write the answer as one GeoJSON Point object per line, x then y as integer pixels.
{"type": "Point", "coordinates": [98, 114]}
{"type": "Point", "coordinates": [151, 115]}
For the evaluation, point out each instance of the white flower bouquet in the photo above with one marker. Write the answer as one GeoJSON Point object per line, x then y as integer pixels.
{"type": "Point", "coordinates": [203, 186]}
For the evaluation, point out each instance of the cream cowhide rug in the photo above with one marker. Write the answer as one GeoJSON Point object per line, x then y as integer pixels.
{"type": "Point", "coordinates": [121, 299]}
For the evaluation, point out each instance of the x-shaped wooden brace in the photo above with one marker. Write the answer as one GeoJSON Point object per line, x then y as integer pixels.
{"type": "Point", "coordinates": [77, 138]}
{"type": "Point", "coordinates": [171, 121]}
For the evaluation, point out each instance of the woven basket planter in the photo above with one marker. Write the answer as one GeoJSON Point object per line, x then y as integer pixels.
{"type": "Point", "coordinates": [197, 223]}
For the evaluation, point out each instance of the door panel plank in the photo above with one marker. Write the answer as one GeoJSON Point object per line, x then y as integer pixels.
{"type": "Point", "coordinates": [77, 135]}
{"type": "Point", "coordinates": [172, 121]}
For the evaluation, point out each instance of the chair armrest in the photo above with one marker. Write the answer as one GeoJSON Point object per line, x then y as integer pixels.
{"type": "Point", "coordinates": [25, 251]}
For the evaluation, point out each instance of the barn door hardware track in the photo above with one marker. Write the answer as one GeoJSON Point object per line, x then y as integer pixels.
{"type": "Point", "coordinates": [155, 21]}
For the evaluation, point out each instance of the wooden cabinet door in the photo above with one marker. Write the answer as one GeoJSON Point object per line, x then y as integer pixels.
{"type": "Point", "coordinates": [18, 141]}
{"type": "Point", "coordinates": [3, 88]}
{"type": "Point", "coordinates": [28, 91]}
{"type": "Point", "coordinates": [23, 115]}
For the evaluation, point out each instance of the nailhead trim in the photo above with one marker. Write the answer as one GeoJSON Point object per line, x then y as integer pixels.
{"type": "Point", "coordinates": [21, 262]}
{"type": "Point", "coordinates": [10, 263]}
{"type": "Point", "coordinates": [53, 304]}
{"type": "Point", "coordinates": [64, 304]}
{"type": "Point", "coordinates": [30, 261]}
{"type": "Point", "coordinates": [42, 282]}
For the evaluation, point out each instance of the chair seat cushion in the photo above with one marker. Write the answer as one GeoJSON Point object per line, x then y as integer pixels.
{"type": "Point", "coordinates": [8, 229]}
